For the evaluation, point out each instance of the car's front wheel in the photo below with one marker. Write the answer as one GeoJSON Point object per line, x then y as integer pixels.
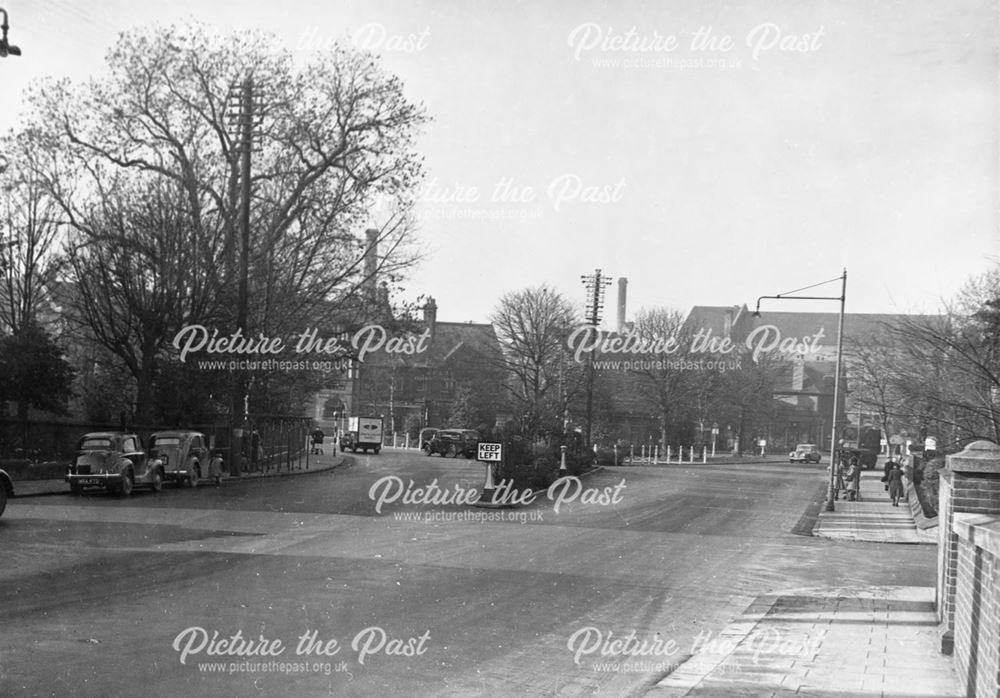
{"type": "Point", "coordinates": [452, 451]}
{"type": "Point", "coordinates": [3, 498]}
{"type": "Point", "coordinates": [125, 489]}
{"type": "Point", "coordinates": [194, 474]}
{"type": "Point", "coordinates": [157, 481]}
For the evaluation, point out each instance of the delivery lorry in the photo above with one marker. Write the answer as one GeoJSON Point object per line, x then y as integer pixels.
{"type": "Point", "coordinates": [365, 433]}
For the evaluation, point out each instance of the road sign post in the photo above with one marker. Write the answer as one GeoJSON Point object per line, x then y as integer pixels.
{"type": "Point", "coordinates": [488, 454]}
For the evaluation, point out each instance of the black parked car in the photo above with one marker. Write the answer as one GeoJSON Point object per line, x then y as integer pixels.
{"type": "Point", "coordinates": [425, 438]}
{"type": "Point", "coordinates": [454, 442]}
{"type": "Point", "coordinates": [6, 490]}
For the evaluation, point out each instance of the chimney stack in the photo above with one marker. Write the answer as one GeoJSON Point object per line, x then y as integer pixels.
{"type": "Point", "coordinates": [430, 314]}
{"type": "Point", "coordinates": [622, 284]}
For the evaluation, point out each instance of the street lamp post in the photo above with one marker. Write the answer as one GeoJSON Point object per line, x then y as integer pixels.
{"type": "Point", "coordinates": [831, 493]}
{"type": "Point", "coordinates": [6, 49]}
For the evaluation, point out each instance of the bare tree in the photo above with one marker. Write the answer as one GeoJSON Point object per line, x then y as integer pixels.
{"type": "Point", "coordinates": [332, 143]}
{"type": "Point", "coordinates": [533, 326]}
{"type": "Point", "coordinates": [665, 383]}
{"type": "Point", "coordinates": [136, 282]}
{"type": "Point", "coordinates": [873, 365]}
{"type": "Point", "coordinates": [29, 250]}
{"type": "Point", "coordinates": [949, 376]}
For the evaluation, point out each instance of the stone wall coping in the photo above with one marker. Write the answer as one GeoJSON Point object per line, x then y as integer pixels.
{"type": "Point", "coordinates": [982, 530]}
{"type": "Point", "coordinates": [976, 457]}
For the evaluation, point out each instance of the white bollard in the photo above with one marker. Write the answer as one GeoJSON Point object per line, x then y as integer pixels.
{"type": "Point", "coordinates": [668, 454]}
{"type": "Point", "coordinates": [656, 450]}
{"type": "Point", "coordinates": [704, 454]}
{"type": "Point", "coordinates": [631, 454]}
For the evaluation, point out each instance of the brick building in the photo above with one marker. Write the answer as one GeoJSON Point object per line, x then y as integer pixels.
{"type": "Point", "coordinates": [422, 387]}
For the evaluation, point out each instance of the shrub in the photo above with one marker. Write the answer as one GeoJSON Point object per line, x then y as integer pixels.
{"type": "Point", "coordinates": [928, 488]}
{"type": "Point", "coordinates": [534, 474]}
{"type": "Point", "coordinates": [606, 456]}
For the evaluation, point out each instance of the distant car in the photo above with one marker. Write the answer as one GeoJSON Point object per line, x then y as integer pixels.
{"type": "Point", "coordinates": [347, 441]}
{"type": "Point", "coordinates": [184, 457]}
{"type": "Point", "coordinates": [6, 490]}
{"type": "Point", "coordinates": [113, 461]}
{"type": "Point", "coordinates": [454, 442]}
{"type": "Point", "coordinates": [805, 453]}
{"type": "Point", "coordinates": [425, 437]}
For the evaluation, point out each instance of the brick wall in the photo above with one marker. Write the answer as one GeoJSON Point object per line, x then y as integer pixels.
{"type": "Point", "coordinates": [968, 585]}
{"type": "Point", "coordinates": [977, 604]}
{"type": "Point", "coordinates": [947, 563]}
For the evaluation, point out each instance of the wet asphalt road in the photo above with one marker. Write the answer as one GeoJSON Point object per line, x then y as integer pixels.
{"type": "Point", "coordinates": [328, 597]}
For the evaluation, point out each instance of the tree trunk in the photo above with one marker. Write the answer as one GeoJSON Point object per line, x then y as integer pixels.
{"type": "Point", "coordinates": [144, 392]}
{"type": "Point", "coordinates": [22, 418]}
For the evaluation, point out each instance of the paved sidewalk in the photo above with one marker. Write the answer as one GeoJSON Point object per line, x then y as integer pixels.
{"type": "Point", "coordinates": [831, 642]}
{"type": "Point", "coordinates": [824, 642]}
{"type": "Point", "coordinates": [873, 518]}
{"type": "Point", "coordinates": [317, 463]}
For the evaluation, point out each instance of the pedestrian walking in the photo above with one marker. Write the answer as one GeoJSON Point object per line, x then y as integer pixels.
{"type": "Point", "coordinates": [853, 478]}
{"type": "Point", "coordinates": [256, 449]}
{"type": "Point", "coordinates": [886, 469]}
{"type": "Point", "coordinates": [896, 484]}
{"type": "Point", "coordinates": [317, 440]}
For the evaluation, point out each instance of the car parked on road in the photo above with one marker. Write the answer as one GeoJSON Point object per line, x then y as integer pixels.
{"type": "Point", "coordinates": [454, 442]}
{"type": "Point", "coordinates": [424, 438]}
{"type": "Point", "coordinates": [184, 457]}
{"type": "Point", "coordinates": [805, 453]}
{"type": "Point", "coordinates": [6, 490]}
{"type": "Point", "coordinates": [114, 461]}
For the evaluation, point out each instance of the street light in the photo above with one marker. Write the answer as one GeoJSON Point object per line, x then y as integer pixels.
{"type": "Point", "coordinates": [836, 379]}
{"type": "Point", "coordinates": [6, 49]}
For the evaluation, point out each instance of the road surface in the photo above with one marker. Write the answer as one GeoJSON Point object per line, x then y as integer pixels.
{"type": "Point", "coordinates": [298, 586]}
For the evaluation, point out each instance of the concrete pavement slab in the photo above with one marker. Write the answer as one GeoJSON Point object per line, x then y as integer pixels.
{"type": "Point", "coordinates": [873, 519]}
{"type": "Point", "coordinates": [825, 642]}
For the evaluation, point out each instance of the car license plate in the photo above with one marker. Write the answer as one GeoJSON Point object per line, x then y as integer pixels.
{"type": "Point", "coordinates": [90, 481]}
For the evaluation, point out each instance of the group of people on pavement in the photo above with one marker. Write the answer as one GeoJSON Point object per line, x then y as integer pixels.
{"type": "Point", "coordinates": [848, 479]}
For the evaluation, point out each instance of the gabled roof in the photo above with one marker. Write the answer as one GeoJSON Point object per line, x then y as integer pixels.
{"type": "Point", "coordinates": [714, 318]}
{"type": "Point", "coordinates": [447, 341]}
{"type": "Point", "coordinates": [860, 326]}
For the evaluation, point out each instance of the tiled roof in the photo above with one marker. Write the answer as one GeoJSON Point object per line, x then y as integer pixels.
{"type": "Point", "coordinates": [447, 340]}
{"type": "Point", "coordinates": [795, 324]}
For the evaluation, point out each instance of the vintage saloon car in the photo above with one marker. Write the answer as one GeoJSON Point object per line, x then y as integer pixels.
{"type": "Point", "coordinates": [184, 456]}
{"type": "Point", "coordinates": [6, 490]}
{"type": "Point", "coordinates": [115, 462]}
{"type": "Point", "coordinates": [805, 453]}
{"type": "Point", "coordinates": [454, 442]}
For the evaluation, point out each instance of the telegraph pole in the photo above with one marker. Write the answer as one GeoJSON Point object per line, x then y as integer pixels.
{"type": "Point", "coordinates": [595, 284]}
{"type": "Point", "coordinates": [243, 119]}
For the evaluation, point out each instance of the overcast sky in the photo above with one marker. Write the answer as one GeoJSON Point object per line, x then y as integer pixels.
{"type": "Point", "coordinates": [709, 153]}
